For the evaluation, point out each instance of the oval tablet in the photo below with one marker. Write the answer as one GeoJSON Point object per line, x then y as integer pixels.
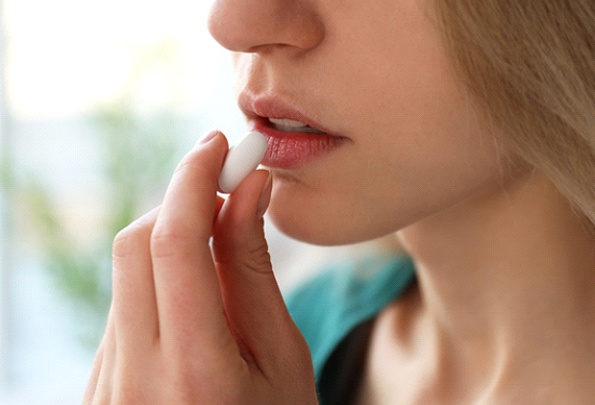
{"type": "Point", "coordinates": [242, 159]}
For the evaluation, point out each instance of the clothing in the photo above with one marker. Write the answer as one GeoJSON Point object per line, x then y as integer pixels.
{"type": "Point", "coordinates": [334, 312]}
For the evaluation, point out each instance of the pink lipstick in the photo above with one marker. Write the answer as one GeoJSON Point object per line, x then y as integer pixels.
{"type": "Point", "coordinates": [294, 148]}
{"type": "Point", "coordinates": [293, 138]}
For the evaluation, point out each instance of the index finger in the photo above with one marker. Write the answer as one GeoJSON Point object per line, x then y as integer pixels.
{"type": "Point", "coordinates": [189, 300]}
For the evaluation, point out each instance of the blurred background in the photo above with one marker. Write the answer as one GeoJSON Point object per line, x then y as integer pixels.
{"type": "Point", "coordinates": [98, 102]}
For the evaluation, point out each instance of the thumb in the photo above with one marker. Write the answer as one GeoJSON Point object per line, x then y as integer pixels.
{"type": "Point", "coordinates": [254, 305]}
{"type": "Point", "coordinates": [238, 235]}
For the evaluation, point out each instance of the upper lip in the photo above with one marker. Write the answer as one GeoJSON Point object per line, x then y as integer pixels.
{"type": "Point", "coordinates": [272, 106]}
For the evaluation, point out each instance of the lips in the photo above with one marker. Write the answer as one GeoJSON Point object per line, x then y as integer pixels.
{"type": "Point", "coordinates": [281, 112]}
{"type": "Point", "coordinates": [294, 139]}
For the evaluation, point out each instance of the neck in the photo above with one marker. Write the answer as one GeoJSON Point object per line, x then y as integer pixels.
{"type": "Point", "coordinates": [509, 280]}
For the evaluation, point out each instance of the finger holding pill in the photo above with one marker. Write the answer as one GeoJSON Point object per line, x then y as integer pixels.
{"type": "Point", "coordinates": [241, 160]}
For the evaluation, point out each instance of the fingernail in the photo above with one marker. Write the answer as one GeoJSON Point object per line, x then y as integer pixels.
{"type": "Point", "coordinates": [265, 197]}
{"type": "Point", "coordinates": [208, 137]}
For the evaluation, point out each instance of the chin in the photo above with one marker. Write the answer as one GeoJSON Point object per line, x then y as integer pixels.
{"type": "Point", "coordinates": [299, 228]}
{"type": "Point", "coordinates": [317, 223]}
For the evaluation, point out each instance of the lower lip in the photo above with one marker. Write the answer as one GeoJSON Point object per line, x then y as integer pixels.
{"type": "Point", "coordinates": [287, 150]}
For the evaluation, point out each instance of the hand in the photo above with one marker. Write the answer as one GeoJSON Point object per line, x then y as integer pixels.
{"type": "Point", "coordinates": [194, 325]}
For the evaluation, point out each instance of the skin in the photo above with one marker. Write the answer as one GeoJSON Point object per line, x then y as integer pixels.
{"type": "Point", "coordinates": [187, 324]}
{"type": "Point", "coordinates": [422, 143]}
{"type": "Point", "coordinates": [504, 308]}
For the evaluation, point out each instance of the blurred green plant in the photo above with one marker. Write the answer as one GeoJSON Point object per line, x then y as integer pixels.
{"type": "Point", "coordinates": [138, 152]}
{"type": "Point", "coordinates": [137, 158]}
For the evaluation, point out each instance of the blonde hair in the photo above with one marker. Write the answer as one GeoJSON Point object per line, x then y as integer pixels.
{"type": "Point", "coordinates": [531, 66]}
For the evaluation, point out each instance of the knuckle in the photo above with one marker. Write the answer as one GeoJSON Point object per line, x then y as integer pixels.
{"type": "Point", "coordinates": [258, 258]}
{"type": "Point", "coordinates": [251, 257]}
{"type": "Point", "coordinates": [243, 247]}
{"type": "Point", "coordinates": [129, 391]}
{"type": "Point", "coordinates": [127, 241]}
{"type": "Point", "coordinates": [169, 241]}
{"type": "Point", "coordinates": [207, 388]}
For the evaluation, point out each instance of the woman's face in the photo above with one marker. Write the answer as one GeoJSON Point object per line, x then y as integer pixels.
{"type": "Point", "coordinates": [400, 142]}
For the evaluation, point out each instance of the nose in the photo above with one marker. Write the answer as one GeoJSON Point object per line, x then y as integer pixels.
{"type": "Point", "coordinates": [261, 25]}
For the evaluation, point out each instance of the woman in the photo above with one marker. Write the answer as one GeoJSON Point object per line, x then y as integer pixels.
{"type": "Point", "coordinates": [464, 128]}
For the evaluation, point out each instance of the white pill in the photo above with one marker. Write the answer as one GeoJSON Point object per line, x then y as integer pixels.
{"type": "Point", "coordinates": [242, 159]}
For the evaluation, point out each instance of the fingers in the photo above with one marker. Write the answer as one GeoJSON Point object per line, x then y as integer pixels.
{"type": "Point", "coordinates": [254, 305]}
{"type": "Point", "coordinates": [184, 325]}
{"type": "Point", "coordinates": [191, 314]}
{"type": "Point", "coordinates": [92, 384]}
{"type": "Point", "coordinates": [134, 307]}
{"type": "Point", "coordinates": [99, 388]}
